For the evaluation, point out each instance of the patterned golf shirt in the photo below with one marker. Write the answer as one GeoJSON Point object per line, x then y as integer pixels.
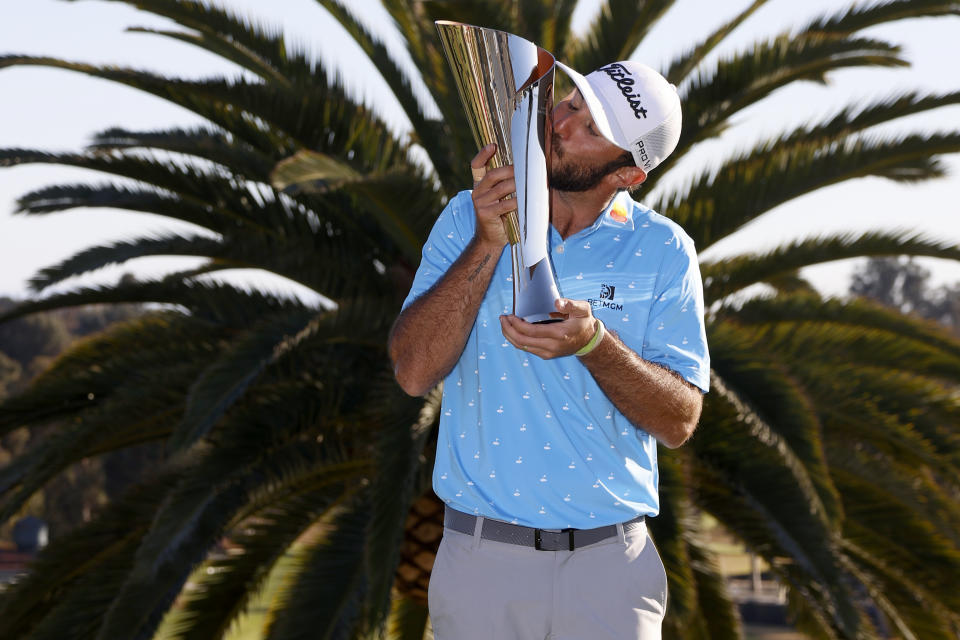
{"type": "Point", "coordinates": [536, 442]}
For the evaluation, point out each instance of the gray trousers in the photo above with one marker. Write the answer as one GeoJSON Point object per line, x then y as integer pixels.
{"type": "Point", "coordinates": [615, 589]}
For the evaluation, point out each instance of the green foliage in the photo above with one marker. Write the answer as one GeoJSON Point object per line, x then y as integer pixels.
{"type": "Point", "coordinates": [69, 496]}
{"type": "Point", "coordinates": [31, 338]}
{"type": "Point", "coordinates": [829, 444]}
{"type": "Point", "coordinates": [10, 372]}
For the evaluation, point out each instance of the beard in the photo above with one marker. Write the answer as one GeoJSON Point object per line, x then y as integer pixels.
{"type": "Point", "coordinates": [575, 176]}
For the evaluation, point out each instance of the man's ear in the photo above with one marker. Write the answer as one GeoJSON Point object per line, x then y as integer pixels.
{"type": "Point", "coordinates": [629, 177]}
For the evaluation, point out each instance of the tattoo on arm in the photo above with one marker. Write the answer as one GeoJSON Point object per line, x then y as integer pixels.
{"type": "Point", "coordinates": [479, 268]}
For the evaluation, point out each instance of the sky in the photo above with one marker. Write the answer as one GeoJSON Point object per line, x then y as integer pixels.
{"type": "Point", "coordinates": [60, 111]}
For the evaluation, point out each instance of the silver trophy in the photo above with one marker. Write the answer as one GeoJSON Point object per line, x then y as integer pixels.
{"type": "Point", "coordinates": [506, 86]}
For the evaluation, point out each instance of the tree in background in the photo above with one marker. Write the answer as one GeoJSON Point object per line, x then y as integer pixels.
{"type": "Point", "coordinates": [27, 347]}
{"type": "Point", "coordinates": [10, 373]}
{"type": "Point", "coordinates": [828, 443]}
{"type": "Point", "coordinates": [902, 284]}
{"type": "Point", "coordinates": [33, 341]}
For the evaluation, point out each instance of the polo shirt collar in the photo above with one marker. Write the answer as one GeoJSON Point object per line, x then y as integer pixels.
{"type": "Point", "coordinates": [618, 214]}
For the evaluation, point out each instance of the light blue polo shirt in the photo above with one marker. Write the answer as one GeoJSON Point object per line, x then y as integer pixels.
{"type": "Point", "coordinates": [536, 442]}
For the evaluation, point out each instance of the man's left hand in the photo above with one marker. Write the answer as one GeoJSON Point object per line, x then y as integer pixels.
{"type": "Point", "coordinates": [556, 339]}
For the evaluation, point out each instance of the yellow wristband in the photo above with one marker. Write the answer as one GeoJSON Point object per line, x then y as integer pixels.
{"type": "Point", "coordinates": [594, 341]}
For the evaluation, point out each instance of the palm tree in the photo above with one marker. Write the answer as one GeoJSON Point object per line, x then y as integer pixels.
{"type": "Point", "coordinates": [828, 444]}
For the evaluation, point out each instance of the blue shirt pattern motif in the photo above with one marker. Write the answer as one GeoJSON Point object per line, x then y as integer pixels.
{"type": "Point", "coordinates": [536, 442]}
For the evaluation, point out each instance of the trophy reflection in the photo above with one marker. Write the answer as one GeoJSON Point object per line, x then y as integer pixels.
{"type": "Point", "coordinates": [506, 86]}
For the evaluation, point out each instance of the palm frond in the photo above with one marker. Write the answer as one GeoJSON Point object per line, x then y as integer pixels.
{"type": "Point", "coordinates": [390, 70]}
{"type": "Point", "coordinates": [862, 314]}
{"type": "Point", "coordinates": [408, 619]}
{"type": "Point", "coordinates": [712, 97]}
{"type": "Point", "coordinates": [200, 142]}
{"type": "Point", "coordinates": [402, 205]}
{"type": "Point", "coordinates": [911, 608]}
{"type": "Point", "coordinates": [399, 447]}
{"type": "Point", "coordinates": [682, 66]}
{"type": "Point", "coordinates": [724, 277]}
{"type": "Point", "coordinates": [717, 205]}
{"type": "Point", "coordinates": [121, 197]}
{"type": "Point", "coordinates": [503, 16]}
{"type": "Point", "coordinates": [618, 28]}
{"type": "Point", "coordinates": [196, 514]}
{"type": "Point", "coordinates": [225, 584]}
{"type": "Point", "coordinates": [907, 484]}
{"type": "Point", "coordinates": [923, 409]}
{"type": "Point", "coordinates": [92, 435]}
{"type": "Point", "coordinates": [546, 23]}
{"type": "Point", "coordinates": [217, 193]}
{"type": "Point", "coordinates": [327, 583]}
{"type": "Point", "coordinates": [82, 568]}
{"type": "Point", "coordinates": [228, 377]}
{"type": "Point", "coordinates": [318, 116]}
{"type": "Point", "coordinates": [161, 347]}
{"type": "Point", "coordinates": [859, 17]}
{"type": "Point", "coordinates": [96, 258]}
{"type": "Point", "coordinates": [854, 415]}
{"type": "Point", "coordinates": [773, 507]}
{"type": "Point", "coordinates": [180, 93]}
{"type": "Point", "coordinates": [668, 530]}
{"type": "Point", "coordinates": [806, 342]}
{"type": "Point", "coordinates": [779, 399]}
{"type": "Point", "coordinates": [927, 557]}
{"type": "Point", "coordinates": [210, 301]}
{"type": "Point", "coordinates": [261, 50]}
{"type": "Point", "coordinates": [854, 120]}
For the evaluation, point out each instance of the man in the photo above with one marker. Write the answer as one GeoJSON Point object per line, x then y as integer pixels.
{"type": "Point", "coordinates": [546, 457]}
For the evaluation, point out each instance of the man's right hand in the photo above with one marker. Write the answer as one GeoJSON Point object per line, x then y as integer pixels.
{"type": "Point", "coordinates": [489, 198]}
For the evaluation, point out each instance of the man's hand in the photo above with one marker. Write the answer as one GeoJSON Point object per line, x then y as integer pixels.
{"type": "Point", "coordinates": [488, 198]}
{"type": "Point", "coordinates": [556, 339]}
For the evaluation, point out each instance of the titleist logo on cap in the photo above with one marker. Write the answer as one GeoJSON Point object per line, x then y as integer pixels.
{"type": "Point", "coordinates": [619, 74]}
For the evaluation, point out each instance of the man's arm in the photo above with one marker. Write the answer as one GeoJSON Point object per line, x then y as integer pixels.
{"type": "Point", "coordinates": [429, 335]}
{"type": "Point", "coordinates": [651, 397]}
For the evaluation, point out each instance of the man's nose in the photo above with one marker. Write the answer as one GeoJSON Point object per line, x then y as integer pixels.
{"type": "Point", "coordinates": [561, 114]}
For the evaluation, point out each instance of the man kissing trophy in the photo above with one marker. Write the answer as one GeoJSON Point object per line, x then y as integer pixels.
{"type": "Point", "coordinates": [553, 405]}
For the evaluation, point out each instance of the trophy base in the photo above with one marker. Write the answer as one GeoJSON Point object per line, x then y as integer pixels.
{"type": "Point", "coordinates": [541, 319]}
{"type": "Point", "coordinates": [535, 296]}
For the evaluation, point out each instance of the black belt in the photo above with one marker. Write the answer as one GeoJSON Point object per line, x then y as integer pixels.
{"type": "Point", "coordinates": [539, 539]}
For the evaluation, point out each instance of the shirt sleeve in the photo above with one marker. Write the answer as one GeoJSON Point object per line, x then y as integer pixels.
{"type": "Point", "coordinates": [450, 234]}
{"type": "Point", "coordinates": [676, 334]}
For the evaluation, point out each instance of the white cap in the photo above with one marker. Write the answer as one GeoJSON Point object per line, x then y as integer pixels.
{"type": "Point", "coordinates": [634, 107]}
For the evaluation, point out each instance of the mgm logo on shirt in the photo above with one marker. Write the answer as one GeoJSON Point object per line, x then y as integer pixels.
{"type": "Point", "coordinates": [605, 301]}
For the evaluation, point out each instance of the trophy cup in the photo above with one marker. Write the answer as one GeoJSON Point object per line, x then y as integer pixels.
{"type": "Point", "coordinates": [506, 86]}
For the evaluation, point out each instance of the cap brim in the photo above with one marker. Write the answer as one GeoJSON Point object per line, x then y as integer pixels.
{"type": "Point", "coordinates": [593, 103]}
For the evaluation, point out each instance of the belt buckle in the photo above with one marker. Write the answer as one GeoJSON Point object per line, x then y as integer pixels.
{"type": "Point", "coordinates": [538, 541]}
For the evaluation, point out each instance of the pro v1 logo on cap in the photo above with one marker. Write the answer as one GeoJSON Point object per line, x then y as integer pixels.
{"type": "Point", "coordinates": [640, 153]}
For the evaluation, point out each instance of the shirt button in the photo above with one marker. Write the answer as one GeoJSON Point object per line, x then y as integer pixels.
{"type": "Point", "coordinates": [560, 249]}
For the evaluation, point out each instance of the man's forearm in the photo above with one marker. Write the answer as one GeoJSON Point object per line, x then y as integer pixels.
{"type": "Point", "coordinates": [651, 397]}
{"type": "Point", "coordinates": [429, 336]}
